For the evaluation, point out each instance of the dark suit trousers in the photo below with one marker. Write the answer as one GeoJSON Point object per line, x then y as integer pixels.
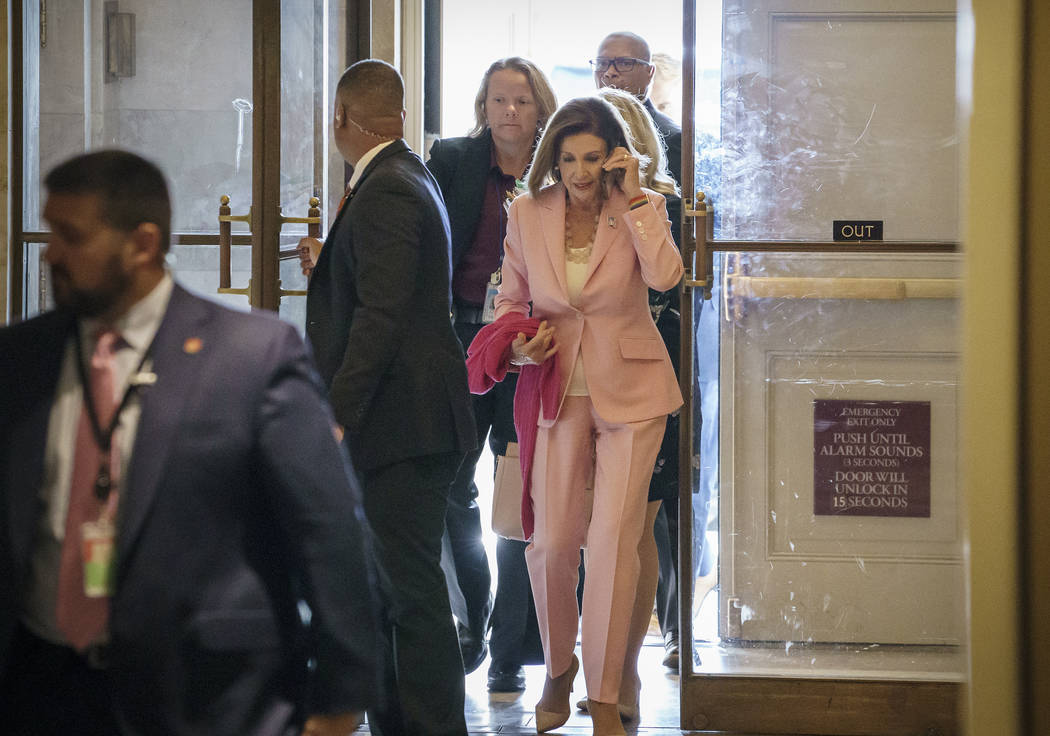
{"type": "Point", "coordinates": [515, 638]}
{"type": "Point", "coordinates": [49, 690]}
{"type": "Point", "coordinates": [666, 532]}
{"type": "Point", "coordinates": [470, 566]}
{"type": "Point", "coordinates": [422, 675]}
{"type": "Point", "coordinates": [665, 529]}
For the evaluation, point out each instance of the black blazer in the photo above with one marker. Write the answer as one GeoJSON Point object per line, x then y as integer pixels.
{"type": "Point", "coordinates": [672, 135]}
{"type": "Point", "coordinates": [461, 167]}
{"type": "Point", "coordinates": [237, 504]}
{"type": "Point", "coordinates": [377, 313]}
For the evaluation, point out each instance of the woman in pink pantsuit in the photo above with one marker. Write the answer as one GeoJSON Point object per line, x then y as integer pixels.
{"type": "Point", "coordinates": [583, 251]}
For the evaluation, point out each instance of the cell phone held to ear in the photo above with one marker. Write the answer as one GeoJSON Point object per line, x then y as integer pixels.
{"type": "Point", "coordinates": [612, 180]}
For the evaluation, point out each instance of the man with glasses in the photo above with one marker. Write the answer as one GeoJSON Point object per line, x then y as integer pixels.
{"type": "Point", "coordinates": [625, 62]}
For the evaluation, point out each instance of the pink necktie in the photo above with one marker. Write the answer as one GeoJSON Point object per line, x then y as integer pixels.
{"type": "Point", "coordinates": [80, 618]}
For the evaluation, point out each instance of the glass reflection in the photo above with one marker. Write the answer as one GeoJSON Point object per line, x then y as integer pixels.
{"type": "Point", "coordinates": [821, 116]}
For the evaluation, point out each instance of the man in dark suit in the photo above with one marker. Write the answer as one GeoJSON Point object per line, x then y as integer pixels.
{"type": "Point", "coordinates": [193, 444]}
{"type": "Point", "coordinates": [378, 317]}
{"type": "Point", "coordinates": [625, 62]}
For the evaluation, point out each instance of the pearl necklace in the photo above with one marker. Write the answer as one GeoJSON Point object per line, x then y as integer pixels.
{"type": "Point", "coordinates": [583, 253]}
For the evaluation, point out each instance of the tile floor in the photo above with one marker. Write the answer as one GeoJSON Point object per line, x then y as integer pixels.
{"type": "Point", "coordinates": [512, 714]}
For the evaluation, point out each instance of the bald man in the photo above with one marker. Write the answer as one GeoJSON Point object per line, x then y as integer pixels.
{"type": "Point", "coordinates": [377, 315]}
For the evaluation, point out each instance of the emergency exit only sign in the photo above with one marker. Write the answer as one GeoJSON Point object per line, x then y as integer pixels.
{"type": "Point", "coordinates": [857, 230]}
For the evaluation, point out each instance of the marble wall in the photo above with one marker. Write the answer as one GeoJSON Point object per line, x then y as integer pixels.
{"type": "Point", "coordinates": [188, 107]}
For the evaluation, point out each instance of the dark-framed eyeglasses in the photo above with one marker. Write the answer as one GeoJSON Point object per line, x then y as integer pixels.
{"type": "Point", "coordinates": [622, 63]}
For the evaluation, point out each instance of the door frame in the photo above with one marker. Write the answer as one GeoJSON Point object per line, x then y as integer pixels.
{"type": "Point", "coordinates": [780, 705]}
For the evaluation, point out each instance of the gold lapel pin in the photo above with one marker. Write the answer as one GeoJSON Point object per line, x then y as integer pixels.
{"type": "Point", "coordinates": [193, 345]}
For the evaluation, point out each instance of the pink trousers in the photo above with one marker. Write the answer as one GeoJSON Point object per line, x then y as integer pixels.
{"type": "Point", "coordinates": [622, 457]}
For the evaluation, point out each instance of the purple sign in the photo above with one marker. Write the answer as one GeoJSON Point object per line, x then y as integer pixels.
{"type": "Point", "coordinates": [871, 458]}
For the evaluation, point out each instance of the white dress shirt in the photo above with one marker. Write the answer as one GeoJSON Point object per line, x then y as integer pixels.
{"type": "Point", "coordinates": [363, 163]}
{"type": "Point", "coordinates": [137, 327]}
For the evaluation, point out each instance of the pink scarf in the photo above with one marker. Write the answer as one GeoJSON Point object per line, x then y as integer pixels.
{"type": "Point", "coordinates": [488, 361]}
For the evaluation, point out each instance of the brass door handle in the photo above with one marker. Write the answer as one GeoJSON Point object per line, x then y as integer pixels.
{"type": "Point", "coordinates": [313, 230]}
{"type": "Point", "coordinates": [225, 241]}
{"type": "Point", "coordinates": [290, 292]}
{"type": "Point", "coordinates": [312, 220]}
{"type": "Point", "coordinates": [696, 247]}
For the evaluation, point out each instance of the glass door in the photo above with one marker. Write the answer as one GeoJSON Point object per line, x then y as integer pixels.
{"type": "Point", "coordinates": [826, 543]}
{"type": "Point", "coordinates": [231, 100]}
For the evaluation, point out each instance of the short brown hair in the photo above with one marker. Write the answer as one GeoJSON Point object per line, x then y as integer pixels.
{"type": "Point", "coordinates": [131, 189]}
{"type": "Point", "coordinates": [546, 101]}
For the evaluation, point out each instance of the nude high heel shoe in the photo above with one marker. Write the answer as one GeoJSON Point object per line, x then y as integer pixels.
{"type": "Point", "coordinates": [605, 719]}
{"type": "Point", "coordinates": [553, 709]}
{"type": "Point", "coordinates": [628, 711]}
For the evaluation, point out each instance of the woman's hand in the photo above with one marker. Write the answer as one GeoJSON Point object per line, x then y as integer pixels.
{"type": "Point", "coordinates": [621, 159]}
{"type": "Point", "coordinates": [533, 352]}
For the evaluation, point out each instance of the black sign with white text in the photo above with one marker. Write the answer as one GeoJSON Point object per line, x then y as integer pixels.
{"type": "Point", "coordinates": [871, 458]}
{"type": "Point", "coordinates": [857, 230]}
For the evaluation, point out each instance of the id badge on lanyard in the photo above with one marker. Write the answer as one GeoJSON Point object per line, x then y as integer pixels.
{"type": "Point", "coordinates": [488, 312]}
{"type": "Point", "coordinates": [97, 540]}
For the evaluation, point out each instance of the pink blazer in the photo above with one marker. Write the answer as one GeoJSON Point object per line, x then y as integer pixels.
{"type": "Point", "coordinates": [629, 374]}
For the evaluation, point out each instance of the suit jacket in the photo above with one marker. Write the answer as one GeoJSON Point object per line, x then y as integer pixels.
{"type": "Point", "coordinates": [377, 313]}
{"type": "Point", "coordinates": [629, 374]}
{"type": "Point", "coordinates": [461, 167]}
{"type": "Point", "coordinates": [237, 503]}
{"type": "Point", "coordinates": [672, 135]}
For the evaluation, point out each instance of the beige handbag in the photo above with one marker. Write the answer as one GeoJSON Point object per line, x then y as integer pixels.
{"type": "Point", "coordinates": [506, 495]}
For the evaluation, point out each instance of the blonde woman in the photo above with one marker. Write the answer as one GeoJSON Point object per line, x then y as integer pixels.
{"type": "Point", "coordinates": [477, 173]}
{"type": "Point", "coordinates": [664, 486]}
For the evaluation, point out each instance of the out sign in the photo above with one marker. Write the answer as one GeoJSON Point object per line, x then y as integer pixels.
{"type": "Point", "coordinates": [858, 230]}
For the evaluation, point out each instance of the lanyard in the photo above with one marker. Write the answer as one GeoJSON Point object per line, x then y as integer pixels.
{"type": "Point", "coordinates": [103, 437]}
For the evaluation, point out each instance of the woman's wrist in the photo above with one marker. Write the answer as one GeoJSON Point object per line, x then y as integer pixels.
{"type": "Point", "coordinates": [516, 358]}
{"type": "Point", "coordinates": [639, 200]}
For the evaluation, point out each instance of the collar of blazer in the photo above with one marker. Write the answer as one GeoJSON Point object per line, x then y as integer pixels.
{"type": "Point", "coordinates": [552, 213]}
{"type": "Point", "coordinates": [396, 147]}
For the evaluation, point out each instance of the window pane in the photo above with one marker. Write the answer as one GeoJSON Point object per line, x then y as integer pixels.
{"type": "Point", "coordinates": [187, 106]}
{"type": "Point", "coordinates": [312, 60]}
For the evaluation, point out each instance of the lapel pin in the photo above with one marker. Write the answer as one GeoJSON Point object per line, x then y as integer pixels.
{"type": "Point", "coordinates": [612, 221]}
{"type": "Point", "coordinates": [143, 378]}
{"type": "Point", "coordinates": [192, 346]}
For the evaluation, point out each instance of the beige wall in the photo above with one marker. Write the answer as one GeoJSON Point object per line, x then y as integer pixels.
{"type": "Point", "coordinates": [991, 222]}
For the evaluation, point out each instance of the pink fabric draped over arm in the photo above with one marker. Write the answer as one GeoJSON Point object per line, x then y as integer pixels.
{"type": "Point", "coordinates": [539, 386]}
